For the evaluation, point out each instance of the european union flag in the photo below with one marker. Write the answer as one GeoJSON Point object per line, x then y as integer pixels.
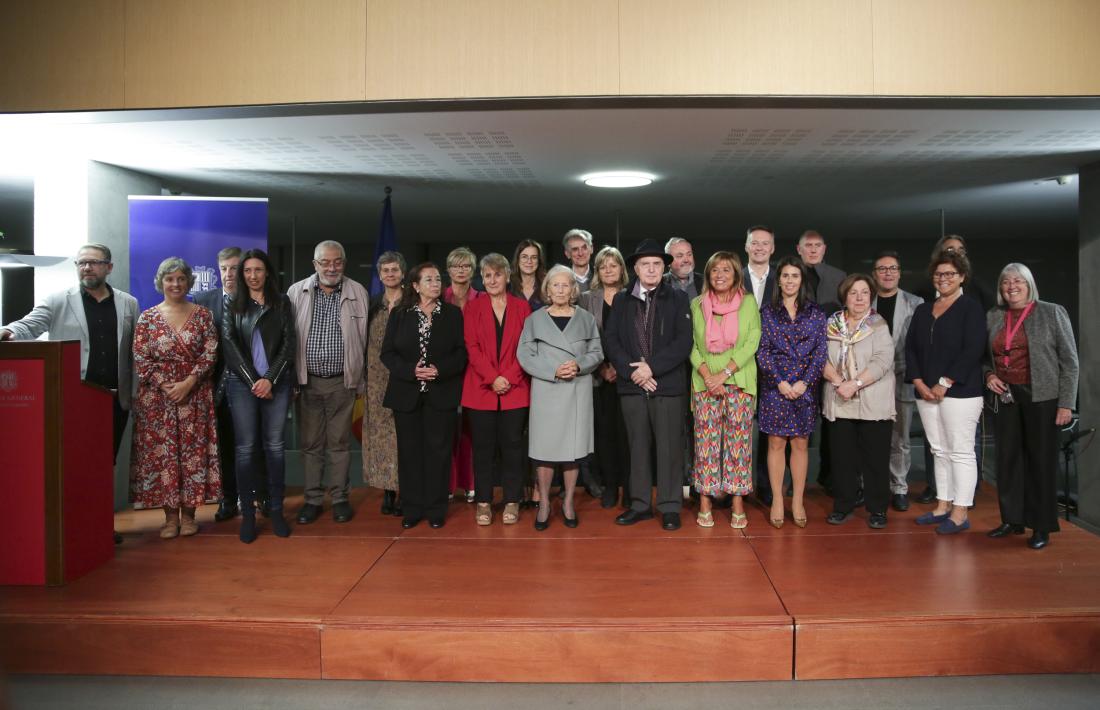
{"type": "Point", "coordinates": [387, 241]}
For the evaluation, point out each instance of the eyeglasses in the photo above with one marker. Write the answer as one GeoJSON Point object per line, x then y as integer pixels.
{"type": "Point", "coordinates": [887, 269]}
{"type": "Point", "coordinates": [528, 257]}
{"type": "Point", "coordinates": [327, 263]}
{"type": "Point", "coordinates": [460, 266]}
{"type": "Point", "coordinates": [944, 275]}
{"type": "Point", "coordinates": [90, 263]}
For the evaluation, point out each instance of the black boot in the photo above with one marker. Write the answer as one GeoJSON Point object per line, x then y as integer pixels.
{"type": "Point", "coordinates": [388, 498]}
{"type": "Point", "coordinates": [248, 527]}
{"type": "Point", "coordinates": [278, 523]}
{"type": "Point", "coordinates": [398, 511]}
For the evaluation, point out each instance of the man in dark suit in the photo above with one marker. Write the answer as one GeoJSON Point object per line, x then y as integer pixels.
{"type": "Point", "coordinates": [760, 281]}
{"type": "Point", "coordinates": [217, 301]}
{"type": "Point", "coordinates": [824, 281]}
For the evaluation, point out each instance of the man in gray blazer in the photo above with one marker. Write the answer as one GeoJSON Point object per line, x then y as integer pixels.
{"type": "Point", "coordinates": [824, 283]}
{"type": "Point", "coordinates": [897, 307]}
{"type": "Point", "coordinates": [102, 318]}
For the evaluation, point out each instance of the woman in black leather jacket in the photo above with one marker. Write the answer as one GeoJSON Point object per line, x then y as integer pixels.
{"type": "Point", "coordinates": [259, 340]}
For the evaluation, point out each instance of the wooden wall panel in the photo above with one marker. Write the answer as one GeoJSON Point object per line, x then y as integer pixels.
{"type": "Point", "coordinates": [58, 54]}
{"type": "Point", "coordinates": [214, 52]}
{"type": "Point", "coordinates": [746, 47]}
{"type": "Point", "coordinates": [987, 47]}
{"type": "Point", "coordinates": [448, 49]}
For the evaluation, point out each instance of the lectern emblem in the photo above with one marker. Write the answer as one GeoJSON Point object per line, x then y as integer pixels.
{"type": "Point", "coordinates": [8, 380]}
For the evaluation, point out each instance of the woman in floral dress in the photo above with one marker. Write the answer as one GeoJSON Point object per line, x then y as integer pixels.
{"type": "Point", "coordinates": [175, 448]}
{"type": "Point", "coordinates": [379, 439]}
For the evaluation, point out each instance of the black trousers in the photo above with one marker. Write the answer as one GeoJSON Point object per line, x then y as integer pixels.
{"type": "Point", "coordinates": [612, 445]}
{"type": "Point", "coordinates": [1027, 461]}
{"type": "Point", "coordinates": [492, 431]}
{"type": "Point", "coordinates": [861, 450]}
{"type": "Point", "coordinates": [118, 424]}
{"type": "Point", "coordinates": [659, 420]}
{"type": "Point", "coordinates": [425, 439]}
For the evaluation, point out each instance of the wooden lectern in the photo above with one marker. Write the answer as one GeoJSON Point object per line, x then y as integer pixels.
{"type": "Point", "coordinates": [57, 460]}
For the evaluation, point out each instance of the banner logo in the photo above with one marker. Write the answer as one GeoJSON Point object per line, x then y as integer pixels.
{"type": "Point", "coordinates": [9, 381]}
{"type": "Point", "coordinates": [206, 279]}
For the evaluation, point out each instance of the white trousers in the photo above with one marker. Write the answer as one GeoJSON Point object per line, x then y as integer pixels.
{"type": "Point", "coordinates": [900, 459]}
{"type": "Point", "coordinates": [950, 426]}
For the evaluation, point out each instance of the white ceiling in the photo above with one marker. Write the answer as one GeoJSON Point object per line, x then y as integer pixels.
{"type": "Point", "coordinates": [515, 169]}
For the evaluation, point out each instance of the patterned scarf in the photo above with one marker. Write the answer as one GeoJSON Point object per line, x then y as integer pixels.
{"type": "Point", "coordinates": [837, 329]}
{"type": "Point", "coordinates": [721, 335]}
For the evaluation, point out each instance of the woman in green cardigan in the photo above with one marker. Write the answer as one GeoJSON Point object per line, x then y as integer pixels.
{"type": "Point", "coordinates": [726, 332]}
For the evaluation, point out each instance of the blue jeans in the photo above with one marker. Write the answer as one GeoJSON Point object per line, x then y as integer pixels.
{"type": "Point", "coordinates": [259, 422]}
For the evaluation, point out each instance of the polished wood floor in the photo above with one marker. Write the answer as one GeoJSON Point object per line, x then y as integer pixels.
{"type": "Point", "coordinates": [599, 603]}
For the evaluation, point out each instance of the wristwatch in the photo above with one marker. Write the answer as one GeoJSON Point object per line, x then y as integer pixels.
{"type": "Point", "coordinates": [729, 372]}
{"type": "Point", "coordinates": [859, 383]}
{"type": "Point", "coordinates": [945, 383]}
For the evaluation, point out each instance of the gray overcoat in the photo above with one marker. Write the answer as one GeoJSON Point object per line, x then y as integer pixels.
{"type": "Point", "coordinates": [560, 420]}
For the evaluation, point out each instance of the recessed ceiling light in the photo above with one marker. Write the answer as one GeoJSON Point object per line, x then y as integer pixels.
{"type": "Point", "coordinates": [619, 178]}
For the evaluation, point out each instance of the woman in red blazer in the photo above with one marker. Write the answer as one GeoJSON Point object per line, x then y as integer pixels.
{"type": "Point", "coordinates": [496, 391]}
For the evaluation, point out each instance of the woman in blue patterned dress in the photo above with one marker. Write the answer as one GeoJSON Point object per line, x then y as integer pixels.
{"type": "Point", "coordinates": [791, 358]}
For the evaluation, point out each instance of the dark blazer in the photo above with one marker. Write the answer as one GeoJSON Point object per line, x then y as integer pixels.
{"type": "Point", "coordinates": [277, 332]}
{"type": "Point", "coordinates": [485, 364]}
{"type": "Point", "coordinates": [829, 280]}
{"type": "Point", "coordinates": [951, 346]}
{"type": "Point", "coordinates": [401, 353]}
{"type": "Point", "coordinates": [214, 301]}
{"type": "Point", "coordinates": [671, 340]}
{"type": "Point", "coordinates": [769, 286]}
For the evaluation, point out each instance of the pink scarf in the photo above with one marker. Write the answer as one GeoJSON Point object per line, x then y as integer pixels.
{"type": "Point", "coordinates": [721, 336]}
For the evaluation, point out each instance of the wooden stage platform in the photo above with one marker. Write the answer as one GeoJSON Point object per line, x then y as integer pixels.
{"type": "Point", "coordinates": [601, 603]}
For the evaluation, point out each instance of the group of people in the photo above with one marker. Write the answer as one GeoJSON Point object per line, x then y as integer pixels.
{"type": "Point", "coordinates": [607, 369]}
{"type": "Point", "coordinates": [615, 373]}
{"type": "Point", "coordinates": [210, 381]}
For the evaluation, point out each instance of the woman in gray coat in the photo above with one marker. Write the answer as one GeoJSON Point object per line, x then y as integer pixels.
{"type": "Point", "coordinates": [559, 348]}
{"type": "Point", "coordinates": [1032, 368]}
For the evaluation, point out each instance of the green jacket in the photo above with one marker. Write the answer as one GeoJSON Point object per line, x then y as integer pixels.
{"type": "Point", "coordinates": [743, 352]}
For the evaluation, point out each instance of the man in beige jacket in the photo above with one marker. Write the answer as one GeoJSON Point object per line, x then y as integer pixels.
{"type": "Point", "coordinates": [330, 315]}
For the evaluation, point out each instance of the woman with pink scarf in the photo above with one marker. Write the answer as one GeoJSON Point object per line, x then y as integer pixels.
{"type": "Point", "coordinates": [726, 332]}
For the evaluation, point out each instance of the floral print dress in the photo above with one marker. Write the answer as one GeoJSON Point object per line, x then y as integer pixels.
{"type": "Point", "coordinates": [380, 438]}
{"type": "Point", "coordinates": [174, 460]}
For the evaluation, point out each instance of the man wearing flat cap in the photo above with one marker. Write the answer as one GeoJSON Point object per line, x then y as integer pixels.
{"type": "Point", "coordinates": [648, 339]}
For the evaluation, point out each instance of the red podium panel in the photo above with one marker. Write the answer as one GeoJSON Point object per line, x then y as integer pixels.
{"type": "Point", "coordinates": [59, 470]}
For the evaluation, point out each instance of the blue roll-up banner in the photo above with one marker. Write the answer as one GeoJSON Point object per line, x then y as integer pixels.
{"type": "Point", "coordinates": [193, 228]}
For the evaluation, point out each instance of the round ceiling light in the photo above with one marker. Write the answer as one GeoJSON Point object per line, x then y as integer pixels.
{"type": "Point", "coordinates": [618, 179]}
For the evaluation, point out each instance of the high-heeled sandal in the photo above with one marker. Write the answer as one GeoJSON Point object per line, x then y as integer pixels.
{"type": "Point", "coordinates": [511, 514]}
{"type": "Point", "coordinates": [484, 514]}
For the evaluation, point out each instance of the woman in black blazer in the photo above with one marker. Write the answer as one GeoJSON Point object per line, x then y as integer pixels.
{"type": "Point", "coordinates": [425, 352]}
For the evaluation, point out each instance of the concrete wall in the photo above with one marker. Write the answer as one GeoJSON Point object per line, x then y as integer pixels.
{"type": "Point", "coordinates": [1089, 339]}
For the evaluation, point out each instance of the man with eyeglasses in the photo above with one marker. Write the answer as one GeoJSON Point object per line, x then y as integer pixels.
{"type": "Point", "coordinates": [330, 316]}
{"type": "Point", "coordinates": [896, 307]}
{"type": "Point", "coordinates": [99, 316]}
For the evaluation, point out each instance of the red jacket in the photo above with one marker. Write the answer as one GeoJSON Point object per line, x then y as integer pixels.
{"type": "Point", "coordinates": [481, 345]}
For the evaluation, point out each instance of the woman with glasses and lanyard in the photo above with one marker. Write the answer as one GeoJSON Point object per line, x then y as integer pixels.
{"type": "Point", "coordinates": [943, 360]}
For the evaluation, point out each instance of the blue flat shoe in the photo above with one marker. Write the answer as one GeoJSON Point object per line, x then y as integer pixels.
{"type": "Point", "coordinates": [950, 527]}
{"type": "Point", "coordinates": [931, 518]}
